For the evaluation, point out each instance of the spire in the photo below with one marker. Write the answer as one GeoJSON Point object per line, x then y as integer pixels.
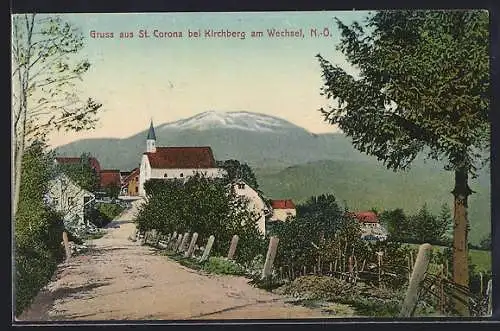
{"type": "Point", "coordinates": [151, 133]}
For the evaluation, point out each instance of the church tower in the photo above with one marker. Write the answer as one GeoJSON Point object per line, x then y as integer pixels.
{"type": "Point", "coordinates": [151, 140]}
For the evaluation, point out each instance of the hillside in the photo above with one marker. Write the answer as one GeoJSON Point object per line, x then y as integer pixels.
{"type": "Point", "coordinates": [363, 185]}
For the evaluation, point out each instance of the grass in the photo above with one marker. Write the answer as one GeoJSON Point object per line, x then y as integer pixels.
{"type": "Point", "coordinates": [481, 259]}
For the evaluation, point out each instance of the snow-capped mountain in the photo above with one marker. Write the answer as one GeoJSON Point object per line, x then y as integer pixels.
{"type": "Point", "coordinates": [240, 120]}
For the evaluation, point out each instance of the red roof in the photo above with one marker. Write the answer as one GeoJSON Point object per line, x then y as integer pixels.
{"type": "Point", "coordinates": [366, 217]}
{"type": "Point", "coordinates": [282, 204]}
{"type": "Point", "coordinates": [182, 158]}
{"type": "Point", "coordinates": [94, 164]}
{"type": "Point", "coordinates": [110, 177]}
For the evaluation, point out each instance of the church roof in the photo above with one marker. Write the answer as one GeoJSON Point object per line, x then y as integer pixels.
{"type": "Point", "coordinates": [182, 158]}
{"type": "Point", "coordinates": [151, 133]}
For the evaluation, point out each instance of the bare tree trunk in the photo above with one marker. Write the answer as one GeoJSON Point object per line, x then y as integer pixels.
{"type": "Point", "coordinates": [20, 129]}
{"type": "Point", "coordinates": [460, 249]}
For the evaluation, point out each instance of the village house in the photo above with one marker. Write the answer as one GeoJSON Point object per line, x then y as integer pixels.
{"type": "Point", "coordinates": [371, 229]}
{"type": "Point", "coordinates": [282, 209]}
{"type": "Point", "coordinates": [175, 162]}
{"type": "Point", "coordinates": [256, 203]}
{"type": "Point", "coordinates": [130, 183]}
{"type": "Point", "coordinates": [68, 198]}
{"type": "Point", "coordinates": [110, 178]}
{"type": "Point", "coordinates": [94, 163]}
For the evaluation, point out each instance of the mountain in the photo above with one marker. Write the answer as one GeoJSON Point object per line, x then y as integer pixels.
{"type": "Point", "coordinates": [291, 162]}
{"type": "Point", "coordinates": [260, 140]}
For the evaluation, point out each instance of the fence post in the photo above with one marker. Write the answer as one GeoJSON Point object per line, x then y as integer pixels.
{"type": "Point", "coordinates": [417, 276]}
{"type": "Point", "coordinates": [232, 248]}
{"type": "Point", "coordinates": [208, 247]}
{"type": "Point", "coordinates": [271, 253]}
{"type": "Point", "coordinates": [184, 242]}
{"type": "Point", "coordinates": [172, 240]}
{"type": "Point", "coordinates": [178, 242]}
{"type": "Point", "coordinates": [190, 250]}
{"type": "Point", "coordinates": [488, 292]}
{"type": "Point", "coordinates": [67, 249]}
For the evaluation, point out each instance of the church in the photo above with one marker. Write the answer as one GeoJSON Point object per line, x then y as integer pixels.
{"type": "Point", "coordinates": [175, 162]}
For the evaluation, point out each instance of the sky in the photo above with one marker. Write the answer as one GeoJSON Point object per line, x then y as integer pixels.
{"type": "Point", "coordinates": [167, 79]}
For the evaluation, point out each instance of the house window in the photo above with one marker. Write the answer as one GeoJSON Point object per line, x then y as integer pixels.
{"type": "Point", "coordinates": [165, 175]}
{"type": "Point", "coordinates": [70, 201]}
{"type": "Point", "coordinates": [181, 175]}
{"type": "Point", "coordinates": [136, 179]}
{"type": "Point", "coordinates": [136, 189]}
{"type": "Point", "coordinates": [241, 186]}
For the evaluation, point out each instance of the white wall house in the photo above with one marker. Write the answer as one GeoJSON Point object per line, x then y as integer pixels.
{"type": "Point", "coordinates": [282, 209]}
{"type": "Point", "coordinates": [175, 162]}
{"type": "Point", "coordinates": [256, 203]}
{"type": "Point", "coordinates": [371, 229]}
{"type": "Point", "coordinates": [68, 198]}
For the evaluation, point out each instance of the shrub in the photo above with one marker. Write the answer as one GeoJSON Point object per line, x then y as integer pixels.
{"type": "Point", "coordinates": [221, 265]}
{"type": "Point", "coordinates": [203, 205]}
{"type": "Point", "coordinates": [38, 229]}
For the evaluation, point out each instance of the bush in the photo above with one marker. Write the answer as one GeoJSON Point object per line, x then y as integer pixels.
{"type": "Point", "coordinates": [103, 213]}
{"type": "Point", "coordinates": [203, 205]}
{"type": "Point", "coordinates": [221, 265]}
{"type": "Point", "coordinates": [38, 229]}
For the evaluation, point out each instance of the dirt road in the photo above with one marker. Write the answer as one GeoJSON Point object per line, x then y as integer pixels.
{"type": "Point", "coordinates": [121, 280]}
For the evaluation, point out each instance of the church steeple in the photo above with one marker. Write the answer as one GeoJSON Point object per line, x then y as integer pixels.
{"type": "Point", "coordinates": [151, 139]}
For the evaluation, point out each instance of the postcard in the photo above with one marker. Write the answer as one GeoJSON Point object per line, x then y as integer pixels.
{"type": "Point", "coordinates": [251, 165]}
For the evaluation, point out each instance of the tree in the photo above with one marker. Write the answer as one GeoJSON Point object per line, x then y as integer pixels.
{"type": "Point", "coordinates": [427, 227]}
{"type": "Point", "coordinates": [325, 213]}
{"type": "Point", "coordinates": [44, 95]}
{"type": "Point", "coordinates": [236, 170]}
{"type": "Point", "coordinates": [447, 221]}
{"type": "Point", "coordinates": [396, 223]}
{"type": "Point", "coordinates": [82, 173]}
{"type": "Point", "coordinates": [423, 87]}
{"type": "Point", "coordinates": [486, 242]}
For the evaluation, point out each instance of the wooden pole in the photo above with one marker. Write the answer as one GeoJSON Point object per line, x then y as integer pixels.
{"type": "Point", "coordinates": [481, 283]}
{"type": "Point", "coordinates": [190, 250]}
{"type": "Point", "coordinates": [67, 249]}
{"type": "Point", "coordinates": [184, 242]}
{"type": "Point", "coordinates": [419, 270]}
{"type": "Point", "coordinates": [232, 247]}
{"type": "Point", "coordinates": [208, 248]}
{"type": "Point", "coordinates": [271, 253]}
{"type": "Point", "coordinates": [488, 292]}
{"type": "Point", "coordinates": [178, 242]}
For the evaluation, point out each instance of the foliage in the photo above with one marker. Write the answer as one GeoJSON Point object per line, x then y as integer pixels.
{"type": "Point", "coordinates": [486, 242]}
{"type": "Point", "coordinates": [236, 170]}
{"type": "Point", "coordinates": [45, 70]}
{"type": "Point", "coordinates": [325, 212]}
{"type": "Point", "coordinates": [444, 106]}
{"type": "Point", "coordinates": [82, 173]}
{"type": "Point", "coordinates": [203, 205]}
{"type": "Point", "coordinates": [367, 300]}
{"type": "Point", "coordinates": [38, 229]}
{"type": "Point", "coordinates": [112, 190]}
{"type": "Point", "coordinates": [422, 227]}
{"type": "Point", "coordinates": [103, 213]}
{"type": "Point", "coordinates": [221, 265]}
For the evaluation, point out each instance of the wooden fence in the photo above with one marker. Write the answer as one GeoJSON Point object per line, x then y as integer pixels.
{"type": "Point", "coordinates": [433, 287]}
